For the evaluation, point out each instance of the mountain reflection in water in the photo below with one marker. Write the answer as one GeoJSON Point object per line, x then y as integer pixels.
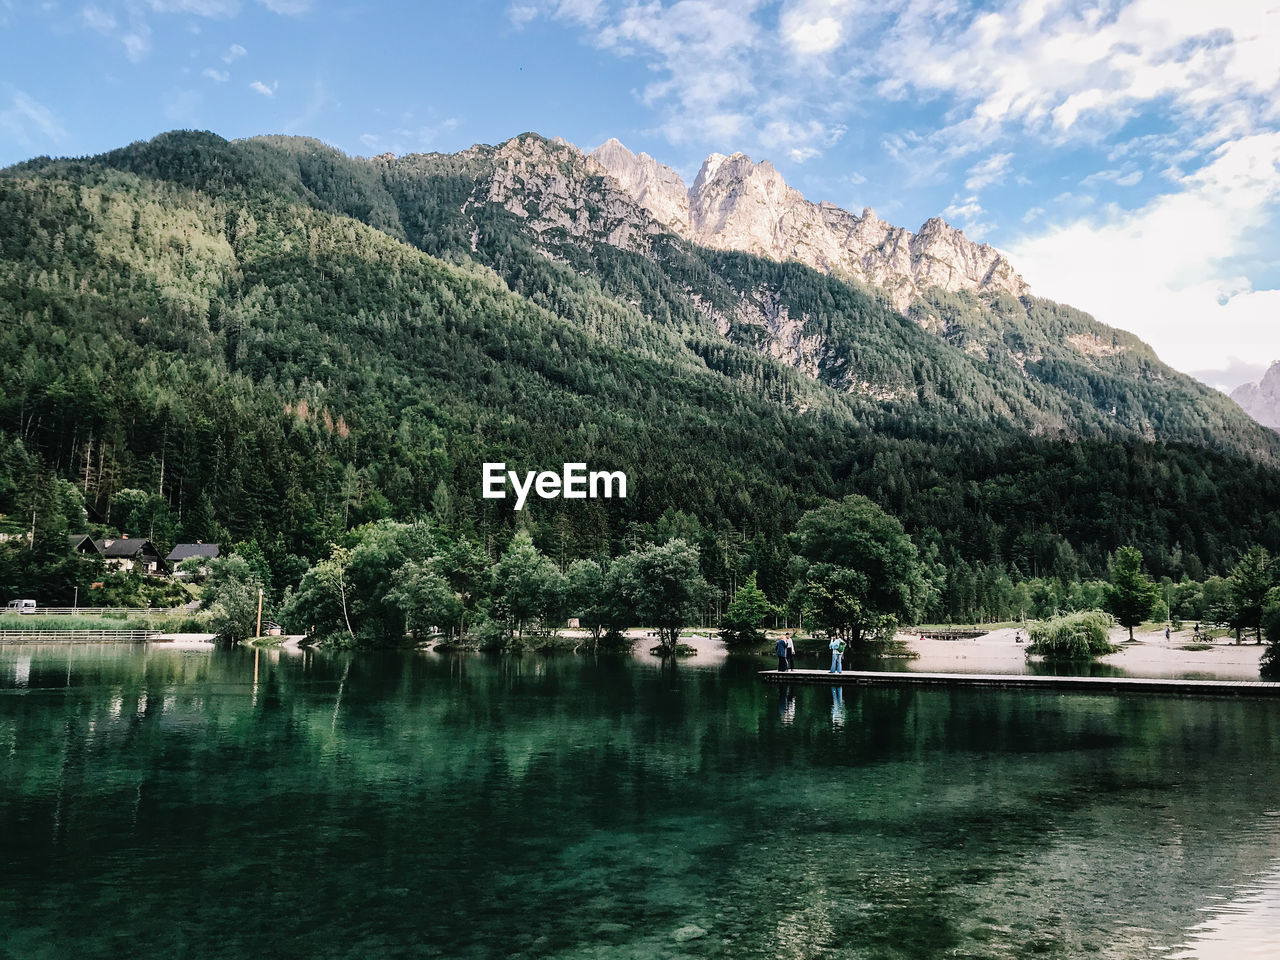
{"type": "Point", "coordinates": [211, 803]}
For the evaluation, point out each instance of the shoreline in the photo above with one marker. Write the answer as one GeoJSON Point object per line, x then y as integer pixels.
{"type": "Point", "coordinates": [1149, 656]}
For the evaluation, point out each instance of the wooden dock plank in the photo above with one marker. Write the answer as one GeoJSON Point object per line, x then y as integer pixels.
{"type": "Point", "coordinates": [1085, 684]}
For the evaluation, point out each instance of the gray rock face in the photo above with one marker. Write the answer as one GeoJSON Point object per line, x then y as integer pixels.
{"type": "Point", "coordinates": [550, 187]}
{"type": "Point", "coordinates": [653, 185]}
{"type": "Point", "coordinates": [735, 204]}
{"type": "Point", "coordinates": [1262, 400]}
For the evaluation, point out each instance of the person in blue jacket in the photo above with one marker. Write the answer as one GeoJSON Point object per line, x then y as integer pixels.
{"type": "Point", "coordinates": [837, 654]}
{"type": "Point", "coordinates": [782, 653]}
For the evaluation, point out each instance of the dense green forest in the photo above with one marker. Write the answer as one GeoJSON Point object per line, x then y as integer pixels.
{"type": "Point", "coordinates": [268, 341]}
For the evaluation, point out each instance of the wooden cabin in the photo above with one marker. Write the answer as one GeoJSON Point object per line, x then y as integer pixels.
{"type": "Point", "coordinates": [136, 555]}
{"type": "Point", "coordinates": [185, 551]}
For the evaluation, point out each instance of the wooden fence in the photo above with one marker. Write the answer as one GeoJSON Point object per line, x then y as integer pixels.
{"type": "Point", "coordinates": [102, 611]}
{"type": "Point", "coordinates": [37, 635]}
{"type": "Point", "coordinates": [949, 634]}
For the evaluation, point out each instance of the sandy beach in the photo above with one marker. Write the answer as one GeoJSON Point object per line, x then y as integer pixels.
{"type": "Point", "coordinates": [1150, 655]}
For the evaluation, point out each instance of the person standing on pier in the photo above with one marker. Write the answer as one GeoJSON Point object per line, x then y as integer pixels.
{"type": "Point", "coordinates": [837, 652]}
{"type": "Point", "coordinates": [791, 652]}
{"type": "Point", "coordinates": [782, 653]}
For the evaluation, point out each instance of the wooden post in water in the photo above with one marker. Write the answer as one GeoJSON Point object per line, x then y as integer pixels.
{"type": "Point", "coordinates": [258, 633]}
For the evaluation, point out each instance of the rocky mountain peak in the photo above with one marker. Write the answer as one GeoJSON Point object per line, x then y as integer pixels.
{"type": "Point", "coordinates": [547, 184]}
{"type": "Point", "coordinates": [1261, 400]}
{"type": "Point", "coordinates": [653, 185]}
{"type": "Point", "coordinates": [738, 204]}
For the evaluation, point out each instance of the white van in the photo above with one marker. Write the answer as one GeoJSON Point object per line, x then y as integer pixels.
{"type": "Point", "coordinates": [22, 606]}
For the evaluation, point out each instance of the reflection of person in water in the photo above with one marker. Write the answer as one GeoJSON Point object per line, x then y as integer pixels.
{"type": "Point", "coordinates": [786, 704]}
{"type": "Point", "coordinates": [837, 706]}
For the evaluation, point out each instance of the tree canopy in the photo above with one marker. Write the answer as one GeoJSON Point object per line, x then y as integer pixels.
{"type": "Point", "coordinates": [1132, 596]}
{"type": "Point", "coordinates": [864, 572]}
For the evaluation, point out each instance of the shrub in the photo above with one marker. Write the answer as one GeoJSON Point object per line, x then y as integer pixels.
{"type": "Point", "coordinates": [740, 625]}
{"type": "Point", "coordinates": [1077, 636]}
{"type": "Point", "coordinates": [615, 641]}
{"type": "Point", "coordinates": [1269, 663]}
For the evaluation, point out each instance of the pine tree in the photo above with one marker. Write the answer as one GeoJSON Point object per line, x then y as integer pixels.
{"type": "Point", "coordinates": [740, 625]}
{"type": "Point", "coordinates": [1251, 579]}
{"type": "Point", "coordinates": [1132, 595]}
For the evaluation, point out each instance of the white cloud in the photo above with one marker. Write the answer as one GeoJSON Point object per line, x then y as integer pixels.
{"type": "Point", "coordinates": [1120, 178]}
{"type": "Point", "coordinates": [725, 77]}
{"type": "Point", "coordinates": [1168, 271]}
{"type": "Point", "coordinates": [30, 122]}
{"type": "Point", "coordinates": [963, 209]}
{"type": "Point", "coordinates": [814, 27]}
{"type": "Point", "coordinates": [989, 171]}
{"type": "Point", "coordinates": [1068, 71]}
{"type": "Point", "coordinates": [966, 213]}
{"type": "Point", "coordinates": [95, 18]}
{"type": "Point", "coordinates": [287, 8]}
{"type": "Point", "coordinates": [200, 8]}
{"type": "Point", "coordinates": [800, 137]}
{"type": "Point", "coordinates": [519, 15]}
{"type": "Point", "coordinates": [583, 11]}
{"type": "Point", "coordinates": [137, 37]}
{"type": "Point", "coordinates": [815, 36]}
{"type": "Point", "coordinates": [259, 87]}
{"type": "Point", "coordinates": [137, 44]}
{"type": "Point", "coordinates": [217, 76]}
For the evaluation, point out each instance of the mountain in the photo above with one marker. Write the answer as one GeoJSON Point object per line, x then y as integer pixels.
{"type": "Point", "coordinates": [266, 338]}
{"type": "Point", "coordinates": [1262, 400]}
{"type": "Point", "coordinates": [735, 204]}
{"type": "Point", "coordinates": [1045, 368]}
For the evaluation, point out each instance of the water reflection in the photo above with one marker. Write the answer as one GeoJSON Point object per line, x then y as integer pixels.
{"type": "Point", "coordinates": [244, 803]}
{"type": "Point", "coordinates": [786, 704]}
{"type": "Point", "coordinates": [1242, 926]}
{"type": "Point", "coordinates": [837, 706]}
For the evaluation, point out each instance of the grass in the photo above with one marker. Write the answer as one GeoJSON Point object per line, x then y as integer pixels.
{"type": "Point", "coordinates": [1000, 625]}
{"type": "Point", "coordinates": [263, 642]}
{"type": "Point", "coordinates": [138, 620]}
{"type": "Point", "coordinates": [896, 650]}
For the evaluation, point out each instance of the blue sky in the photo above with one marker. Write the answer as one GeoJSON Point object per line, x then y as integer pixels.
{"type": "Point", "coordinates": [1125, 154]}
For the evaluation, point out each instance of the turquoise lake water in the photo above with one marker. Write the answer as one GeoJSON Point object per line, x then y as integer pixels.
{"type": "Point", "coordinates": [184, 803]}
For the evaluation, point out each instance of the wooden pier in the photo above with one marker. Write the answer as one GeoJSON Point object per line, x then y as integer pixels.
{"type": "Point", "coordinates": [1201, 688]}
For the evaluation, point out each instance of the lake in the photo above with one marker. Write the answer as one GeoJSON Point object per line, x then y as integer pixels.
{"type": "Point", "coordinates": [182, 803]}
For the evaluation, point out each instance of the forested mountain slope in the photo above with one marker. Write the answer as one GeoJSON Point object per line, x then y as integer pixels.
{"type": "Point", "coordinates": [269, 339]}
